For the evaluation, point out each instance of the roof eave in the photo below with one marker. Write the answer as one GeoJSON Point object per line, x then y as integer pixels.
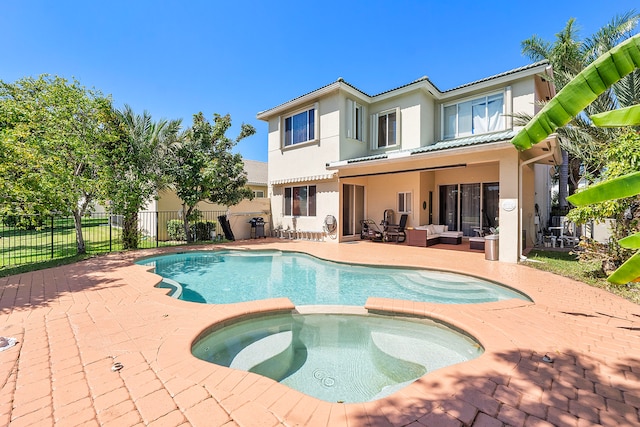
{"type": "Point", "coordinates": [423, 83]}
{"type": "Point", "coordinates": [542, 67]}
{"type": "Point", "coordinates": [306, 98]}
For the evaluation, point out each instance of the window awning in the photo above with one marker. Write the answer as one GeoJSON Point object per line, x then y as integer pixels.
{"type": "Point", "coordinates": [323, 177]}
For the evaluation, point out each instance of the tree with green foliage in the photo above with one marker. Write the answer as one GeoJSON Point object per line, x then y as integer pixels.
{"type": "Point", "coordinates": [584, 89]}
{"type": "Point", "coordinates": [203, 167]}
{"type": "Point", "coordinates": [137, 166]}
{"type": "Point", "coordinates": [623, 157]}
{"type": "Point", "coordinates": [50, 133]}
{"type": "Point", "coordinates": [582, 144]}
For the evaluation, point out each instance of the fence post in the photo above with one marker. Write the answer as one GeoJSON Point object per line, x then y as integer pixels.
{"type": "Point", "coordinates": [157, 229]}
{"type": "Point", "coordinates": [110, 239]}
{"type": "Point", "coordinates": [52, 236]}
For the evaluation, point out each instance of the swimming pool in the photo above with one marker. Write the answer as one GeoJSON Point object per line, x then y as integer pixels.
{"type": "Point", "coordinates": [230, 276]}
{"type": "Point", "coordinates": [337, 357]}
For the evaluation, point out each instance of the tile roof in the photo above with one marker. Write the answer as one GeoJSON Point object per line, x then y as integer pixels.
{"type": "Point", "coordinates": [506, 73]}
{"type": "Point", "coordinates": [466, 141]}
{"type": "Point", "coordinates": [421, 79]}
{"type": "Point", "coordinates": [368, 158]}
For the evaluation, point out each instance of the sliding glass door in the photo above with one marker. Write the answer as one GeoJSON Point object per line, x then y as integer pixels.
{"type": "Point", "coordinates": [352, 209]}
{"type": "Point", "coordinates": [449, 206]}
{"type": "Point", "coordinates": [490, 204]}
{"type": "Point", "coordinates": [468, 207]}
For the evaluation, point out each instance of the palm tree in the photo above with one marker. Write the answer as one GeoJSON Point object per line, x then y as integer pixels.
{"type": "Point", "coordinates": [581, 143]}
{"type": "Point", "coordinates": [608, 69]}
{"type": "Point", "coordinates": [138, 166]}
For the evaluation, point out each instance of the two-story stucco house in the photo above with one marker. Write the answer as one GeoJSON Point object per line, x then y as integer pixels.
{"type": "Point", "coordinates": [441, 157]}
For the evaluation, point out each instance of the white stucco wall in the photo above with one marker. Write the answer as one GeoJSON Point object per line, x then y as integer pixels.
{"type": "Point", "coordinates": [523, 97]}
{"type": "Point", "coordinates": [309, 158]}
{"type": "Point", "coordinates": [349, 146]}
{"type": "Point", "coordinates": [410, 120]}
{"type": "Point", "coordinates": [327, 203]}
{"type": "Point", "coordinates": [509, 250]}
{"type": "Point", "coordinates": [420, 125]}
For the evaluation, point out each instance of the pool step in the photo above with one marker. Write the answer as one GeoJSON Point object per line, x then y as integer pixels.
{"type": "Point", "coordinates": [459, 294]}
{"type": "Point", "coordinates": [276, 348]}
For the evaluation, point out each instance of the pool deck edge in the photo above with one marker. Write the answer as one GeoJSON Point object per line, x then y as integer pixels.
{"type": "Point", "coordinates": [75, 323]}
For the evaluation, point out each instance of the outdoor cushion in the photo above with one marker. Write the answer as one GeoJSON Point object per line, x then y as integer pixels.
{"type": "Point", "coordinates": [439, 229]}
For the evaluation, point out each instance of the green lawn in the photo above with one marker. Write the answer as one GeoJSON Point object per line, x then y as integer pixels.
{"type": "Point", "coordinates": [566, 264]}
{"type": "Point", "coordinates": [55, 240]}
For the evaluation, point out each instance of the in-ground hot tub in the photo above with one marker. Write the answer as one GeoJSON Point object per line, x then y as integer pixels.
{"type": "Point", "coordinates": [338, 357]}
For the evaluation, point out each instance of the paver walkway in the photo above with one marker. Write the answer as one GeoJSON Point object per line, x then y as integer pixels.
{"type": "Point", "coordinates": [75, 324]}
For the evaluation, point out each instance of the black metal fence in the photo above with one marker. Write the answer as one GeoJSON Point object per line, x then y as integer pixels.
{"type": "Point", "coordinates": [28, 239]}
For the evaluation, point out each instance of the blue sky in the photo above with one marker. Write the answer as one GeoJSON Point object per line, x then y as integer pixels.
{"type": "Point", "coordinates": [176, 58]}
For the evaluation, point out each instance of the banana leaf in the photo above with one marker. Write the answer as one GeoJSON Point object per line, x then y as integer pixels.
{"type": "Point", "coordinates": [617, 188]}
{"type": "Point", "coordinates": [630, 242]}
{"type": "Point", "coordinates": [580, 92]}
{"type": "Point", "coordinates": [627, 272]}
{"type": "Point", "coordinates": [629, 116]}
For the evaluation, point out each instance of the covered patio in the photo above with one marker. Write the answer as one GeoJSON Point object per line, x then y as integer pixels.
{"type": "Point", "coordinates": [470, 185]}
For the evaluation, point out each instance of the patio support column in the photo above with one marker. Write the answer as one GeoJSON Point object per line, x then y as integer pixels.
{"type": "Point", "coordinates": [509, 209]}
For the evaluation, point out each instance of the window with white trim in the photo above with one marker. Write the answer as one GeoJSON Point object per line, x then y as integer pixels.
{"type": "Point", "coordinates": [300, 127]}
{"type": "Point", "coordinates": [385, 129]}
{"type": "Point", "coordinates": [404, 202]}
{"type": "Point", "coordinates": [258, 194]}
{"type": "Point", "coordinates": [475, 116]}
{"type": "Point", "coordinates": [354, 120]}
{"type": "Point", "coordinates": [300, 201]}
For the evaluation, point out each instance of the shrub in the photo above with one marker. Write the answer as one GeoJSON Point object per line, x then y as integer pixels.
{"type": "Point", "coordinates": [200, 230]}
{"type": "Point", "coordinates": [175, 230]}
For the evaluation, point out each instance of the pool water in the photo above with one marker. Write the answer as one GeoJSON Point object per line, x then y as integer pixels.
{"type": "Point", "coordinates": [338, 357]}
{"type": "Point", "coordinates": [228, 276]}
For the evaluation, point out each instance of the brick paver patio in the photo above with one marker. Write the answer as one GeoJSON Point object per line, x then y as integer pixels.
{"type": "Point", "coordinates": [75, 323]}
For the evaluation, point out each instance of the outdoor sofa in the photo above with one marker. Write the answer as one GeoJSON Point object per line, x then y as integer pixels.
{"type": "Point", "coordinates": [432, 234]}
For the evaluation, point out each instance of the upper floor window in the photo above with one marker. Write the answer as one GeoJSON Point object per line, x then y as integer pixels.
{"type": "Point", "coordinates": [299, 127]}
{"type": "Point", "coordinates": [355, 119]}
{"type": "Point", "coordinates": [480, 115]}
{"type": "Point", "coordinates": [300, 201]}
{"type": "Point", "coordinates": [384, 127]}
{"type": "Point", "coordinates": [258, 194]}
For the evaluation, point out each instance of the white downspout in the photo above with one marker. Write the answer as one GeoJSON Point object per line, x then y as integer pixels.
{"type": "Point", "coordinates": [522, 165]}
